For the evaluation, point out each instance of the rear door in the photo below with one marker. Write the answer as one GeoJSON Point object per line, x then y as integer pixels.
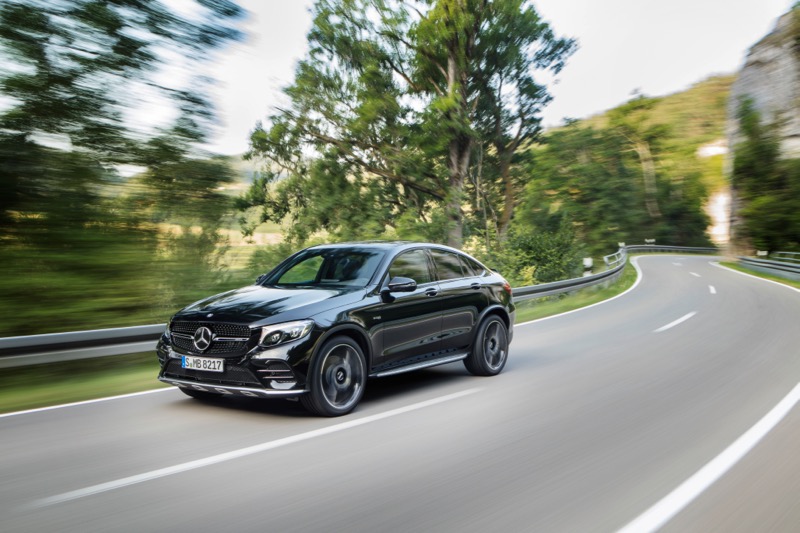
{"type": "Point", "coordinates": [462, 298]}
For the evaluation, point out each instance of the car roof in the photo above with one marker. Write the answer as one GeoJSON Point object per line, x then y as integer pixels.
{"type": "Point", "coordinates": [385, 245]}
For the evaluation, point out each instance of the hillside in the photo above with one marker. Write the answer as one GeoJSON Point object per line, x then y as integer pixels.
{"type": "Point", "coordinates": [692, 119]}
{"type": "Point", "coordinates": [651, 168]}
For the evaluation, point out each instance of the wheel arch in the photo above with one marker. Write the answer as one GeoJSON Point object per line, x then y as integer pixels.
{"type": "Point", "coordinates": [498, 310]}
{"type": "Point", "coordinates": [352, 331]}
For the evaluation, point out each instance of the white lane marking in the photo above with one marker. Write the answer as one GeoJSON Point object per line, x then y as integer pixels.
{"type": "Point", "coordinates": [712, 290]}
{"type": "Point", "coordinates": [674, 323]}
{"type": "Point", "coordinates": [635, 264]}
{"type": "Point", "coordinates": [242, 452]}
{"type": "Point", "coordinates": [695, 274]}
{"type": "Point", "coordinates": [86, 402]}
{"type": "Point", "coordinates": [671, 504]}
{"type": "Point", "coordinates": [677, 264]}
{"type": "Point", "coordinates": [716, 264]}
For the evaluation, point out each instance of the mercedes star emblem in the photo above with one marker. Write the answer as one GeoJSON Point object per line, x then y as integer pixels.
{"type": "Point", "coordinates": [202, 338]}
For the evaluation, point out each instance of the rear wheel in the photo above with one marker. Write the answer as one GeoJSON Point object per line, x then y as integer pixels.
{"type": "Point", "coordinates": [337, 378]}
{"type": "Point", "coordinates": [199, 394]}
{"type": "Point", "coordinates": [490, 351]}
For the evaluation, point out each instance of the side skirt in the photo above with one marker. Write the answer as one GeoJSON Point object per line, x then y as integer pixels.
{"type": "Point", "coordinates": [411, 365]}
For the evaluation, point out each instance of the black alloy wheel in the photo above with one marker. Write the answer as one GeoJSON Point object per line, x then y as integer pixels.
{"type": "Point", "coordinates": [490, 350]}
{"type": "Point", "coordinates": [337, 378]}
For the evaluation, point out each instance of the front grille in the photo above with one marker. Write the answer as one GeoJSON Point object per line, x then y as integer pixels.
{"type": "Point", "coordinates": [234, 375]}
{"type": "Point", "coordinates": [185, 344]}
{"type": "Point", "coordinates": [182, 343]}
{"type": "Point", "coordinates": [218, 329]}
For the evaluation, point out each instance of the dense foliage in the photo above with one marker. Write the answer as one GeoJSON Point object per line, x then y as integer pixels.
{"type": "Point", "coordinates": [612, 184]}
{"type": "Point", "coordinates": [767, 185]}
{"type": "Point", "coordinates": [407, 119]}
{"type": "Point", "coordinates": [397, 110]}
{"type": "Point", "coordinates": [82, 246]}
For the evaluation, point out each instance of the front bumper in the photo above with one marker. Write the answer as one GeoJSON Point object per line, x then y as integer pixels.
{"type": "Point", "coordinates": [253, 375]}
{"type": "Point", "coordinates": [229, 390]}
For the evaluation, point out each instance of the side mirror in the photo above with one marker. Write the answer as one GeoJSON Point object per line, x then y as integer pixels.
{"type": "Point", "coordinates": [260, 278]}
{"type": "Point", "coordinates": [401, 284]}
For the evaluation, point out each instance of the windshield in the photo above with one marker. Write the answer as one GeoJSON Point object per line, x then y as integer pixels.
{"type": "Point", "coordinates": [347, 267]}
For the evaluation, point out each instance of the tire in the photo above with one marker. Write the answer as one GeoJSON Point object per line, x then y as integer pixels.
{"type": "Point", "coordinates": [490, 350]}
{"type": "Point", "coordinates": [199, 394]}
{"type": "Point", "coordinates": [336, 379]}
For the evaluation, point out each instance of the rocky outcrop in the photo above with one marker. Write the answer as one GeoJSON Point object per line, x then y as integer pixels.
{"type": "Point", "coordinates": [771, 79]}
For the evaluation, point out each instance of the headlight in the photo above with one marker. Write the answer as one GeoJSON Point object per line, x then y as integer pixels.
{"type": "Point", "coordinates": [288, 331]}
{"type": "Point", "coordinates": [166, 335]}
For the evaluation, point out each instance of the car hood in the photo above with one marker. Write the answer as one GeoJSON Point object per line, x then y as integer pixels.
{"type": "Point", "coordinates": [255, 303]}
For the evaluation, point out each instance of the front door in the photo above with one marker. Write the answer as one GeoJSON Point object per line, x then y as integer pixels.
{"type": "Point", "coordinates": [411, 322]}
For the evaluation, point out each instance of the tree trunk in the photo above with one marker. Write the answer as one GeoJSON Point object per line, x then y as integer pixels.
{"type": "Point", "coordinates": [458, 163]}
{"type": "Point", "coordinates": [508, 195]}
{"type": "Point", "coordinates": [649, 175]}
{"type": "Point", "coordinates": [460, 148]}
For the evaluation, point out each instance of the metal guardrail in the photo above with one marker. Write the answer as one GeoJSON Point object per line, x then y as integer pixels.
{"type": "Point", "coordinates": [58, 347]}
{"type": "Point", "coordinates": [646, 248]}
{"type": "Point", "coordinates": [616, 263]}
{"type": "Point", "coordinates": [769, 266]}
{"type": "Point", "coordinates": [793, 257]}
{"type": "Point", "coordinates": [75, 345]}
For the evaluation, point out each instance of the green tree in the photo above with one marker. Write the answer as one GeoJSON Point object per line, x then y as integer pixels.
{"type": "Point", "coordinates": [589, 177]}
{"type": "Point", "coordinates": [769, 187]}
{"type": "Point", "coordinates": [633, 121]}
{"type": "Point", "coordinates": [390, 107]}
{"type": "Point", "coordinates": [72, 74]}
{"type": "Point", "coordinates": [592, 176]}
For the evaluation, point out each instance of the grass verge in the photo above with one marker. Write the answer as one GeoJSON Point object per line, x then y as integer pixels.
{"type": "Point", "coordinates": [738, 267]}
{"type": "Point", "coordinates": [73, 381]}
{"type": "Point", "coordinates": [553, 305]}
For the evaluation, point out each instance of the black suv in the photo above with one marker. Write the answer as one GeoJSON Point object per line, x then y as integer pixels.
{"type": "Point", "coordinates": [328, 317]}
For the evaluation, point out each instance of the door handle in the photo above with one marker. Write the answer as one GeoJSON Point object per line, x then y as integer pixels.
{"type": "Point", "coordinates": [431, 292]}
{"type": "Point", "coordinates": [475, 286]}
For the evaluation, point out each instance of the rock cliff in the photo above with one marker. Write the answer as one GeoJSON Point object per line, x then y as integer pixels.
{"type": "Point", "coordinates": [771, 78]}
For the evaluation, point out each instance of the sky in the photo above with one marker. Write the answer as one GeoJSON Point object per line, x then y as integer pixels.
{"type": "Point", "coordinates": [653, 47]}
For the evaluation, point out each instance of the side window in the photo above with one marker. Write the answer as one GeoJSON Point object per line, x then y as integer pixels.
{"type": "Point", "coordinates": [466, 267]}
{"type": "Point", "coordinates": [413, 264]}
{"type": "Point", "coordinates": [447, 265]}
{"type": "Point", "coordinates": [477, 268]}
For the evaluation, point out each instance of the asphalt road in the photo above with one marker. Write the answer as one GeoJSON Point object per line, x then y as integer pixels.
{"type": "Point", "coordinates": [598, 416]}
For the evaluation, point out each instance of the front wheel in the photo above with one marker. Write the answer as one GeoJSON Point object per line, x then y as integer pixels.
{"type": "Point", "coordinates": [337, 378]}
{"type": "Point", "coordinates": [490, 351]}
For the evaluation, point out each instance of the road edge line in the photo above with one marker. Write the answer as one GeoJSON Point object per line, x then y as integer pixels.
{"type": "Point", "coordinates": [243, 452]}
{"type": "Point", "coordinates": [670, 505]}
{"type": "Point", "coordinates": [718, 265]}
{"type": "Point", "coordinates": [85, 402]}
{"type": "Point", "coordinates": [634, 262]}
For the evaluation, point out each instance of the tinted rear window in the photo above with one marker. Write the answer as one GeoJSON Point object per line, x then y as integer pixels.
{"type": "Point", "coordinates": [448, 266]}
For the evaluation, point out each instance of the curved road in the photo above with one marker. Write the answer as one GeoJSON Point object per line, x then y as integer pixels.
{"type": "Point", "coordinates": [600, 415]}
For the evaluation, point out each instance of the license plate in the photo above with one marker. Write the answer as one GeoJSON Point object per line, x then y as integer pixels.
{"type": "Point", "coordinates": [203, 363]}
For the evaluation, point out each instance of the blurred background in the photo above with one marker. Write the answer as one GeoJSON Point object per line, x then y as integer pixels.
{"type": "Point", "coordinates": [152, 153]}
